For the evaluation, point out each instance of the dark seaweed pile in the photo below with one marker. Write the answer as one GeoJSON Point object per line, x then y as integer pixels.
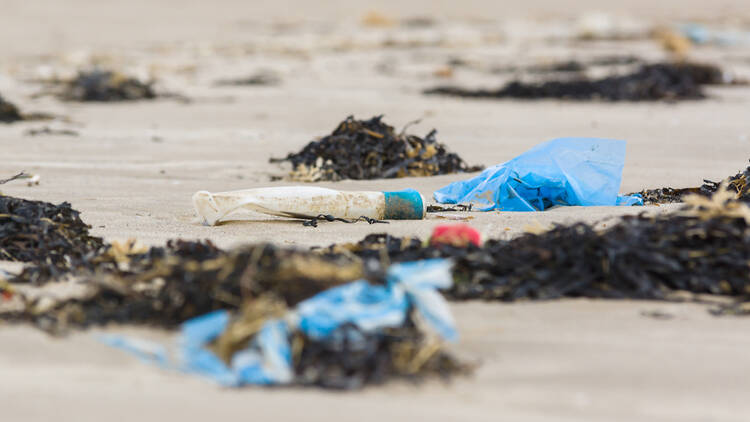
{"type": "Point", "coordinates": [52, 236]}
{"type": "Point", "coordinates": [651, 82]}
{"type": "Point", "coordinates": [736, 184]}
{"type": "Point", "coordinates": [9, 113]}
{"type": "Point", "coordinates": [106, 86]}
{"type": "Point", "coordinates": [371, 149]}
{"type": "Point", "coordinates": [641, 257]}
{"type": "Point", "coordinates": [164, 286]}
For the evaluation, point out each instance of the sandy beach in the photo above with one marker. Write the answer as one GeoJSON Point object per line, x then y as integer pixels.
{"type": "Point", "coordinates": [133, 167]}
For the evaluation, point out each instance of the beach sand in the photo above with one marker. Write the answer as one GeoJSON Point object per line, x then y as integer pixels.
{"type": "Point", "coordinates": [134, 167]}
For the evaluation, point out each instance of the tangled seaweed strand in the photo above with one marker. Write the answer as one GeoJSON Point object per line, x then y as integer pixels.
{"type": "Point", "coordinates": [652, 82]}
{"type": "Point", "coordinates": [371, 149]}
{"type": "Point", "coordinates": [103, 85]}
{"type": "Point", "coordinates": [313, 222]}
{"type": "Point", "coordinates": [9, 113]}
{"type": "Point", "coordinates": [52, 236]}
{"type": "Point", "coordinates": [641, 257]}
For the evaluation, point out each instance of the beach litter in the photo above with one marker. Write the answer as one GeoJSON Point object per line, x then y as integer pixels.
{"type": "Point", "coordinates": [701, 249]}
{"type": "Point", "coordinates": [650, 82]}
{"type": "Point", "coordinates": [560, 172]}
{"type": "Point", "coordinates": [371, 149]}
{"type": "Point", "coordinates": [312, 204]}
{"type": "Point", "coordinates": [458, 235]}
{"type": "Point", "coordinates": [702, 34]}
{"type": "Point", "coordinates": [345, 337]}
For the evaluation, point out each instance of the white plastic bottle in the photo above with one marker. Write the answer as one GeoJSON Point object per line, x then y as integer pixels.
{"type": "Point", "coordinates": [309, 202]}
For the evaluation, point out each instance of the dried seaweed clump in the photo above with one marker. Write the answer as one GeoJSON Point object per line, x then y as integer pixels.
{"type": "Point", "coordinates": [43, 233]}
{"type": "Point", "coordinates": [736, 184]}
{"type": "Point", "coordinates": [104, 85]}
{"type": "Point", "coordinates": [165, 286]}
{"type": "Point", "coordinates": [650, 82]}
{"type": "Point", "coordinates": [371, 149]}
{"type": "Point", "coordinates": [703, 250]}
{"type": "Point", "coordinates": [9, 112]}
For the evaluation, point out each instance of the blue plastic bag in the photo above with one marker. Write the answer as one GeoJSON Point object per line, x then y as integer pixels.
{"type": "Point", "coordinates": [268, 359]}
{"type": "Point", "coordinates": [563, 171]}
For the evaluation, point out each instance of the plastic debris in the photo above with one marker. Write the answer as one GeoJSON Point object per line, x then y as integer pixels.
{"type": "Point", "coordinates": [310, 203]}
{"type": "Point", "coordinates": [651, 82]}
{"type": "Point", "coordinates": [458, 235]}
{"type": "Point", "coordinates": [370, 149]}
{"type": "Point", "coordinates": [563, 171]}
{"type": "Point", "coordinates": [346, 337]}
{"type": "Point", "coordinates": [701, 34]}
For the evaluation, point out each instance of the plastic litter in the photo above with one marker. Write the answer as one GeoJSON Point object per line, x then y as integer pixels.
{"type": "Point", "coordinates": [310, 202]}
{"type": "Point", "coordinates": [458, 235]}
{"type": "Point", "coordinates": [701, 34]}
{"type": "Point", "coordinates": [268, 360]}
{"type": "Point", "coordinates": [563, 171]}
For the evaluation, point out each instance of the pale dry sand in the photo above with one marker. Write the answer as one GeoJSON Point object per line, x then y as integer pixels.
{"type": "Point", "coordinates": [134, 167]}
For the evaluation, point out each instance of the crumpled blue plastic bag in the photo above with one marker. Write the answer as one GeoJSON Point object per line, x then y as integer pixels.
{"type": "Point", "coordinates": [268, 359]}
{"type": "Point", "coordinates": [563, 171]}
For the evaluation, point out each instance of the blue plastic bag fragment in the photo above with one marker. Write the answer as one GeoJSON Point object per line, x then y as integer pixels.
{"type": "Point", "coordinates": [701, 34]}
{"type": "Point", "coordinates": [268, 359]}
{"type": "Point", "coordinates": [563, 171]}
{"type": "Point", "coordinates": [371, 307]}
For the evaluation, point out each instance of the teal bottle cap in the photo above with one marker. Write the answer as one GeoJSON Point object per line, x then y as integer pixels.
{"type": "Point", "coordinates": [405, 204]}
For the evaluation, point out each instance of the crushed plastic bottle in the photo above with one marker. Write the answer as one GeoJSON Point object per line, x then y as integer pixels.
{"type": "Point", "coordinates": [310, 202]}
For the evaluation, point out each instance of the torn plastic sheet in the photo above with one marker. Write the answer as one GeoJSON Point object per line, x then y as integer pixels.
{"type": "Point", "coordinates": [268, 359]}
{"type": "Point", "coordinates": [563, 171]}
